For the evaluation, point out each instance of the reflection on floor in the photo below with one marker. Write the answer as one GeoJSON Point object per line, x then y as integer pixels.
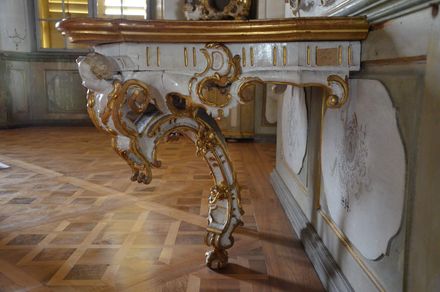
{"type": "Point", "coordinates": [71, 220]}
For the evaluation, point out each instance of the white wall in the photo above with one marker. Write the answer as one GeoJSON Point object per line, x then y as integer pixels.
{"type": "Point", "coordinates": [16, 29]}
{"type": "Point", "coordinates": [402, 53]}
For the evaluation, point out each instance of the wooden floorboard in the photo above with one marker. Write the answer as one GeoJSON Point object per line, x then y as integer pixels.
{"type": "Point", "coordinates": [71, 220]}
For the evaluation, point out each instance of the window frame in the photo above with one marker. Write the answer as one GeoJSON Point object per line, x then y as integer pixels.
{"type": "Point", "coordinates": [92, 13]}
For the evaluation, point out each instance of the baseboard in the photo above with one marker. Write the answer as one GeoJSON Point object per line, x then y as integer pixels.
{"type": "Point", "coordinates": [326, 267]}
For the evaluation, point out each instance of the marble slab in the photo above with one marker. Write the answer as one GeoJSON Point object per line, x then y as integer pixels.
{"type": "Point", "coordinates": [363, 164]}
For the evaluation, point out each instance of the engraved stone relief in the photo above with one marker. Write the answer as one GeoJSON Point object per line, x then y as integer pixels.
{"type": "Point", "coordinates": [294, 128]}
{"type": "Point", "coordinates": [363, 164]}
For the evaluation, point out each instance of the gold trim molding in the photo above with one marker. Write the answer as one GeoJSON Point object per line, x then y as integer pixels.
{"type": "Point", "coordinates": [99, 31]}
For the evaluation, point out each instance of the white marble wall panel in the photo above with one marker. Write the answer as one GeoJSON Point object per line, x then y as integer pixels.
{"type": "Point", "coordinates": [400, 38]}
{"type": "Point", "coordinates": [294, 128]}
{"type": "Point", "coordinates": [62, 92]}
{"type": "Point", "coordinates": [18, 92]}
{"type": "Point", "coordinates": [363, 164]}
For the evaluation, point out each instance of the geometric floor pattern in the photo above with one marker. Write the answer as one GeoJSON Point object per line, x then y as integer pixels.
{"type": "Point", "coordinates": [71, 220]}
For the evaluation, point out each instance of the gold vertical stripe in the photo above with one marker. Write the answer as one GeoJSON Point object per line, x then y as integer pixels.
{"type": "Point", "coordinates": [252, 56]}
{"type": "Point", "coordinates": [275, 53]}
{"type": "Point", "coordinates": [340, 55]}
{"type": "Point", "coordinates": [194, 57]}
{"type": "Point", "coordinates": [158, 56]}
{"type": "Point", "coordinates": [350, 55]}
{"type": "Point", "coordinates": [284, 55]}
{"type": "Point", "coordinates": [308, 55]}
{"type": "Point", "coordinates": [349, 247]}
{"type": "Point", "coordinates": [243, 56]}
{"type": "Point", "coordinates": [185, 56]}
{"type": "Point", "coordinates": [148, 56]}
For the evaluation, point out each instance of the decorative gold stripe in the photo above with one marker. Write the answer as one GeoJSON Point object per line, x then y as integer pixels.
{"type": "Point", "coordinates": [347, 244]}
{"type": "Point", "coordinates": [340, 55]}
{"type": "Point", "coordinates": [252, 56]}
{"type": "Point", "coordinates": [350, 55]}
{"type": "Point", "coordinates": [284, 55]}
{"type": "Point", "coordinates": [243, 56]}
{"type": "Point", "coordinates": [148, 56]}
{"type": "Point", "coordinates": [308, 55]}
{"type": "Point", "coordinates": [194, 57]}
{"type": "Point", "coordinates": [185, 56]}
{"type": "Point", "coordinates": [275, 53]}
{"type": "Point", "coordinates": [396, 61]}
{"type": "Point", "coordinates": [158, 56]}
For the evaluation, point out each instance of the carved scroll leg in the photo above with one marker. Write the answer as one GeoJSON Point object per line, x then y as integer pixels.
{"type": "Point", "coordinates": [224, 214]}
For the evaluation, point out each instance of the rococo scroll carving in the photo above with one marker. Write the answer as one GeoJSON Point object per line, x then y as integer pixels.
{"type": "Point", "coordinates": [336, 89]}
{"type": "Point", "coordinates": [126, 104]}
{"type": "Point", "coordinates": [212, 86]}
{"type": "Point", "coordinates": [129, 112]}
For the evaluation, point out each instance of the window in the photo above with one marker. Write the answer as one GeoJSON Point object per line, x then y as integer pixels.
{"type": "Point", "coordinates": [52, 11]}
{"type": "Point", "coordinates": [122, 8]}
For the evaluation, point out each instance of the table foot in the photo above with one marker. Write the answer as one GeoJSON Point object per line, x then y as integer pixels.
{"type": "Point", "coordinates": [216, 259]}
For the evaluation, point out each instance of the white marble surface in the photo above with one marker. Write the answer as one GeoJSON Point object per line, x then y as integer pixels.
{"type": "Point", "coordinates": [294, 128]}
{"type": "Point", "coordinates": [363, 164]}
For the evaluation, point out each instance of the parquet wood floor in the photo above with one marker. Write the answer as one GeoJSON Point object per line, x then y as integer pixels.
{"type": "Point", "coordinates": [71, 220]}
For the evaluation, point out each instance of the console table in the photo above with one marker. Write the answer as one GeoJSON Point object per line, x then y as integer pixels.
{"type": "Point", "coordinates": [155, 80]}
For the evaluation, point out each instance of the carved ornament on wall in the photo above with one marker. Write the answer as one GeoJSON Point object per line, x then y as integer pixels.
{"type": "Point", "coordinates": [217, 9]}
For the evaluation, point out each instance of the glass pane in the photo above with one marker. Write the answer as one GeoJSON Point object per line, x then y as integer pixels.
{"type": "Point", "coordinates": [135, 8]}
{"type": "Point", "coordinates": [75, 8]}
{"type": "Point", "coordinates": [51, 11]}
{"type": "Point", "coordinates": [132, 9]}
{"type": "Point", "coordinates": [58, 9]}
